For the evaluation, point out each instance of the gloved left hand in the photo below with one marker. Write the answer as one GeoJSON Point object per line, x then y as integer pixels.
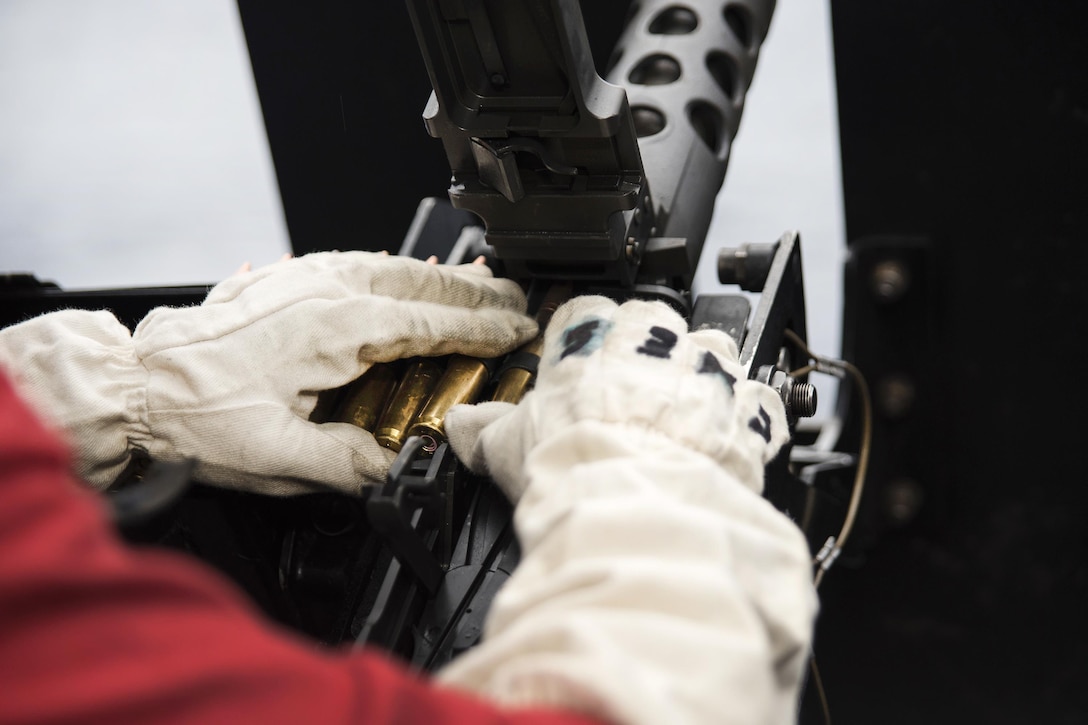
{"type": "Point", "coordinates": [233, 381]}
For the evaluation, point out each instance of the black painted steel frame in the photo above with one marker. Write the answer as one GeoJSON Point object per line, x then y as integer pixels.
{"type": "Point", "coordinates": [964, 132]}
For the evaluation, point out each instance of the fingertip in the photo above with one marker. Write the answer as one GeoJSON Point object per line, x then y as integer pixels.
{"type": "Point", "coordinates": [472, 268]}
{"type": "Point", "coordinates": [433, 259]}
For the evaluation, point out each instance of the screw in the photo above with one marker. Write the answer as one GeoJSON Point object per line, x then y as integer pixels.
{"type": "Point", "coordinates": [890, 280]}
{"type": "Point", "coordinates": [632, 250]}
{"type": "Point", "coordinates": [895, 396]}
{"type": "Point", "coordinates": [903, 500]}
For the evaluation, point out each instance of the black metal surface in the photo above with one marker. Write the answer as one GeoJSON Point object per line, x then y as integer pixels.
{"type": "Point", "coordinates": [781, 307]}
{"type": "Point", "coordinates": [24, 296]}
{"type": "Point", "coordinates": [539, 147]}
{"type": "Point", "coordinates": [410, 510]}
{"type": "Point", "coordinates": [159, 490]}
{"type": "Point", "coordinates": [483, 559]}
{"type": "Point", "coordinates": [962, 598]}
{"type": "Point", "coordinates": [341, 86]}
{"type": "Point", "coordinates": [727, 313]}
{"type": "Point", "coordinates": [435, 223]}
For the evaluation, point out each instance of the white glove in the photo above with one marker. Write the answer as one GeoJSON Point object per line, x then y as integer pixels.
{"type": "Point", "coordinates": [656, 584]}
{"type": "Point", "coordinates": [231, 382]}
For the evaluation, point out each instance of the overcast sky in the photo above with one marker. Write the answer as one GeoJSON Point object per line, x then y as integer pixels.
{"type": "Point", "coordinates": [132, 151]}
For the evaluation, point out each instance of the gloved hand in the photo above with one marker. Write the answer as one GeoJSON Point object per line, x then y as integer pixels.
{"type": "Point", "coordinates": [231, 382]}
{"type": "Point", "coordinates": [635, 367]}
{"type": "Point", "coordinates": [656, 584]}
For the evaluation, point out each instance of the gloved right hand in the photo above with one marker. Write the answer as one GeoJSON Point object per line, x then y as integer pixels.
{"type": "Point", "coordinates": [637, 370]}
{"type": "Point", "coordinates": [656, 584]}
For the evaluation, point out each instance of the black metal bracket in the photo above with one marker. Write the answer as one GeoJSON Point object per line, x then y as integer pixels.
{"type": "Point", "coordinates": [781, 307]}
{"type": "Point", "coordinates": [411, 512]}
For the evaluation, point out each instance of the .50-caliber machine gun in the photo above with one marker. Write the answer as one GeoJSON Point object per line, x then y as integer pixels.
{"type": "Point", "coordinates": [569, 184]}
{"type": "Point", "coordinates": [581, 188]}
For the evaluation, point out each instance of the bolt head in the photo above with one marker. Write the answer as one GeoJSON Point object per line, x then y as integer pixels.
{"type": "Point", "coordinates": [890, 280]}
{"type": "Point", "coordinates": [895, 396]}
{"type": "Point", "coordinates": [903, 499]}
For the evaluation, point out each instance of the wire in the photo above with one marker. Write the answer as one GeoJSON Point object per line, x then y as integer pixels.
{"type": "Point", "coordinates": [827, 555]}
{"type": "Point", "coordinates": [839, 368]}
{"type": "Point", "coordinates": [819, 682]}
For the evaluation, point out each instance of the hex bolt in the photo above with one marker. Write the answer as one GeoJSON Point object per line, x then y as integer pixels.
{"type": "Point", "coordinates": [890, 280]}
{"type": "Point", "coordinates": [799, 399]}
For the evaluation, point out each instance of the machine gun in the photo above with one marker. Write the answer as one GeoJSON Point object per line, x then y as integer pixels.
{"type": "Point", "coordinates": [571, 185]}
{"type": "Point", "coordinates": [961, 595]}
{"type": "Point", "coordinates": [565, 182]}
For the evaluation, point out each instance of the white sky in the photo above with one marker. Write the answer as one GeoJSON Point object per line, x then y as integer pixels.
{"type": "Point", "coordinates": [132, 150]}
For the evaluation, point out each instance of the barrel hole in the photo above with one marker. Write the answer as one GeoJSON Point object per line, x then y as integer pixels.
{"type": "Point", "coordinates": [655, 70]}
{"type": "Point", "coordinates": [707, 123]}
{"type": "Point", "coordinates": [740, 22]}
{"type": "Point", "coordinates": [723, 70]}
{"type": "Point", "coordinates": [674, 20]}
{"type": "Point", "coordinates": [648, 120]}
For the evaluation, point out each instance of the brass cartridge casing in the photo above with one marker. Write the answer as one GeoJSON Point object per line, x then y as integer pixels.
{"type": "Point", "coordinates": [514, 382]}
{"type": "Point", "coordinates": [368, 396]}
{"type": "Point", "coordinates": [463, 382]}
{"type": "Point", "coordinates": [515, 379]}
{"type": "Point", "coordinates": [415, 388]}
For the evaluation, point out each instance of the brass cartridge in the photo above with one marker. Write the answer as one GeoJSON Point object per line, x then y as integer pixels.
{"type": "Point", "coordinates": [368, 396]}
{"type": "Point", "coordinates": [415, 388]}
{"type": "Point", "coordinates": [463, 382]}
{"type": "Point", "coordinates": [518, 372]}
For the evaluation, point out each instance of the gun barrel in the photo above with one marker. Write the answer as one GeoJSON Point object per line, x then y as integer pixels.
{"type": "Point", "coordinates": [687, 69]}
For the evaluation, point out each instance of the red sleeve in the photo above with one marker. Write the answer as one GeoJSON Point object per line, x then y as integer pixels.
{"type": "Point", "coordinates": [91, 631]}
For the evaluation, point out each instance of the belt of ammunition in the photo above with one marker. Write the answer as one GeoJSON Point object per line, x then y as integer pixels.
{"type": "Point", "coordinates": [412, 393]}
{"type": "Point", "coordinates": [366, 398]}
{"type": "Point", "coordinates": [418, 403]}
{"type": "Point", "coordinates": [463, 382]}
{"type": "Point", "coordinates": [518, 373]}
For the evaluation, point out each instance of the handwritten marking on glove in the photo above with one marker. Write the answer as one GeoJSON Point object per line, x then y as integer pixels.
{"type": "Point", "coordinates": [659, 344]}
{"type": "Point", "coordinates": [711, 366]}
{"type": "Point", "coordinates": [584, 338]}
{"type": "Point", "coordinates": [763, 427]}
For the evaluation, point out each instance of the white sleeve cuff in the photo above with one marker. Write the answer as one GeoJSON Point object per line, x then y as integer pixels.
{"type": "Point", "coordinates": [654, 587]}
{"type": "Point", "coordinates": [80, 372]}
